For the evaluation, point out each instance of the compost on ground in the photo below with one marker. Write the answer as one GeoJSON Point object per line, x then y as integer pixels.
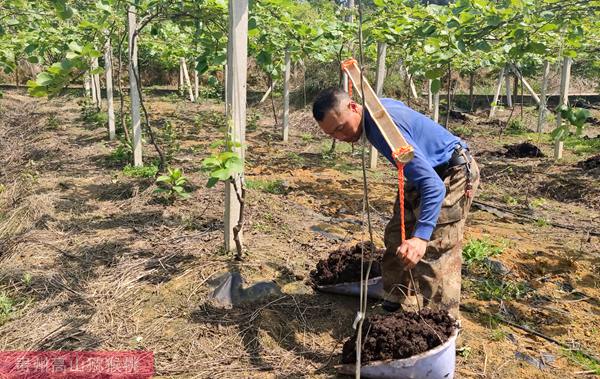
{"type": "Point", "coordinates": [400, 335]}
{"type": "Point", "coordinates": [523, 150]}
{"type": "Point", "coordinates": [343, 265]}
{"type": "Point", "coordinates": [590, 163]}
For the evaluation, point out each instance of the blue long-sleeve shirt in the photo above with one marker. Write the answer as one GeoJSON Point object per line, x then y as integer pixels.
{"type": "Point", "coordinates": [433, 145]}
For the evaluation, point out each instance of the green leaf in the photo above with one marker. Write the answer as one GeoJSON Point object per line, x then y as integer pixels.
{"type": "Point", "coordinates": [264, 58]}
{"type": "Point", "coordinates": [235, 165]}
{"type": "Point", "coordinates": [536, 48]}
{"type": "Point", "coordinates": [30, 48]}
{"type": "Point", "coordinates": [483, 46]}
{"type": "Point", "coordinates": [163, 178]}
{"type": "Point", "coordinates": [103, 7]}
{"type": "Point", "coordinates": [212, 182]}
{"type": "Point", "coordinates": [434, 73]}
{"type": "Point", "coordinates": [74, 46]}
{"type": "Point", "coordinates": [43, 79]}
{"type": "Point", "coordinates": [436, 84]}
{"type": "Point", "coordinates": [379, 3]}
{"type": "Point", "coordinates": [221, 174]}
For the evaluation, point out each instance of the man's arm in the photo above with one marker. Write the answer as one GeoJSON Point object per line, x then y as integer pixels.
{"type": "Point", "coordinates": [420, 173]}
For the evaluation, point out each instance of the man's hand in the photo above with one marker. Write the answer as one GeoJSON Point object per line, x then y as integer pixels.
{"type": "Point", "coordinates": [411, 251]}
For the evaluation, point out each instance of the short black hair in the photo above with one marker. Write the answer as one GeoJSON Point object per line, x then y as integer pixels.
{"type": "Point", "coordinates": [327, 100]}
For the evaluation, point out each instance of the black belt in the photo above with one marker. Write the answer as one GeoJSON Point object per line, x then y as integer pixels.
{"type": "Point", "coordinates": [460, 156]}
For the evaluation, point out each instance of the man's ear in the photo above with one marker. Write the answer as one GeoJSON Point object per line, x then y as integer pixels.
{"type": "Point", "coordinates": [352, 106]}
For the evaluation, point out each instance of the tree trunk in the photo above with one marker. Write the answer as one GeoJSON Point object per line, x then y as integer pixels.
{"type": "Point", "coordinates": [94, 89]}
{"type": "Point", "coordinates": [133, 88]}
{"type": "Point", "coordinates": [448, 98]}
{"type": "Point", "coordinates": [17, 82]}
{"type": "Point", "coordinates": [109, 89]}
{"type": "Point", "coordinates": [436, 106]}
{"type": "Point", "coordinates": [86, 86]}
{"type": "Point", "coordinates": [565, 79]}
{"type": "Point", "coordinates": [237, 53]}
{"type": "Point", "coordinates": [509, 102]}
{"type": "Point", "coordinates": [380, 77]}
{"type": "Point", "coordinates": [471, 87]}
{"type": "Point", "coordinates": [542, 113]}
{"type": "Point", "coordinates": [268, 91]}
{"type": "Point", "coordinates": [196, 85]}
{"type": "Point", "coordinates": [286, 96]}
{"type": "Point", "coordinates": [180, 85]}
{"type": "Point", "coordinates": [186, 77]}
{"type": "Point", "coordinates": [429, 96]}
{"type": "Point", "coordinates": [496, 94]}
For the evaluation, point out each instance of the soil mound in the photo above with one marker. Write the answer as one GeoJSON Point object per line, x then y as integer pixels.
{"type": "Point", "coordinates": [343, 265]}
{"type": "Point", "coordinates": [400, 335]}
{"type": "Point", "coordinates": [590, 163]}
{"type": "Point", "coordinates": [523, 150]}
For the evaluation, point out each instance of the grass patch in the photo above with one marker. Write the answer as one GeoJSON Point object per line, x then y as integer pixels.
{"type": "Point", "coordinates": [516, 127]}
{"type": "Point", "coordinates": [583, 360]}
{"type": "Point", "coordinates": [498, 289]}
{"type": "Point", "coordinates": [477, 250]}
{"type": "Point", "coordinates": [462, 131]}
{"type": "Point", "coordinates": [270, 186]}
{"type": "Point", "coordinates": [542, 222]}
{"type": "Point", "coordinates": [306, 137]}
{"type": "Point", "coordinates": [140, 172]}
{"type": "Point", "coordinates": [581, 146]}
{"type": "Point", "coordinates": [7, 308]}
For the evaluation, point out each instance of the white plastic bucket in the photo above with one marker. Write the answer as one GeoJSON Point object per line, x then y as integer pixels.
{"type": "Point", "coordinates": [437, 363]}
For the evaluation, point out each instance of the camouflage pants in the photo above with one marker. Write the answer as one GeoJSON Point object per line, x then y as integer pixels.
{"type": "Point", "coordinates": [437, 276]}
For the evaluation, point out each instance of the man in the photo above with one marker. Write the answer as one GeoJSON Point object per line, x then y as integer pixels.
{"type": "Point", "coordinates": [439, 184]}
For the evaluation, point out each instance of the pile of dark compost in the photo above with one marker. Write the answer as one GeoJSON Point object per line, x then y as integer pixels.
{"type": "Point", "coordinates": [590, 163]}
{"type": "Point", "coordinates": [400, 335]}
{"type": "Point", "coordinates": [523, 150]}
{"type": "Point", "coordinates": [343, 265]}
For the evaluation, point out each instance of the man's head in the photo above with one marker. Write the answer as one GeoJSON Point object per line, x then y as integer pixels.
{"type": "Point", "coordinates": [338, 115]}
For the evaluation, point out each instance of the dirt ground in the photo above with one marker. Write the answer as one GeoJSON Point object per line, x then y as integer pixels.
{"type": "Point", "coordinates": [92, 259]}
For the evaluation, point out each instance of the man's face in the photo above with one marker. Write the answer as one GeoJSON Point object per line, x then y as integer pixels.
{"type": "Point", "coordinates": [343, 123]}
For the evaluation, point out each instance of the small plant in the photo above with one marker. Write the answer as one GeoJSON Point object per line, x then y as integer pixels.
{"type": "Point", "coordinates": [149, 171]}
{"type": "Point", "coordinates": [462, 131]}
{"type": "Point", "coordinates": [591, 364]}
{"type": "Point", "coordinates": [270, 186]}
{"type": "Point", "coordinates": [172, 185]}
{"type": "Point", "coordinates": [2, 188]}
{"type": "Point", "coordinates": [92, 115]}
{"type": "Point", "coordinates": [542, 222]}
{"type": "Point", "coordinates": [509, 200]}
{"type": "Point", "coordinates": [7, 307]}
{"type": "Point", "coordinates": [538, 202]}
{"type": "Point", "coordinates": [495, 289]}
{"type": "Point", "coordinates": [516, 126]}
{"type": "Point", "coordinates": [570, 117]}
{"type": "Point", "coordinates": [123, 152]}
{"type": "Point", "coordinates": [223, 166]}
{"type": "Point", "coordinates": [498, 335]}
{"type": "Point", "coordinates": [169, 140]}
{"type": "Point", "coordinates": [294, 159]}
{"type": "Point", "coordinates": [464, 352]}
{"type": "Point", "coordinates": [227, 166]}
{"type": "Point", "coordinates": [477, 250]}
{"type": "Point", "coordinates": [52, 123]}
{"type": "Point", "coordinates": [26, 279]}
{"type": "Point", "coordinates": [252, 121]}
{"type": "Point", "coordinates": [306, 137]}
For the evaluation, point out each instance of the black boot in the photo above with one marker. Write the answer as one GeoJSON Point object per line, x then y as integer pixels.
{"type": "Point", "coordinates": [390, 306]}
